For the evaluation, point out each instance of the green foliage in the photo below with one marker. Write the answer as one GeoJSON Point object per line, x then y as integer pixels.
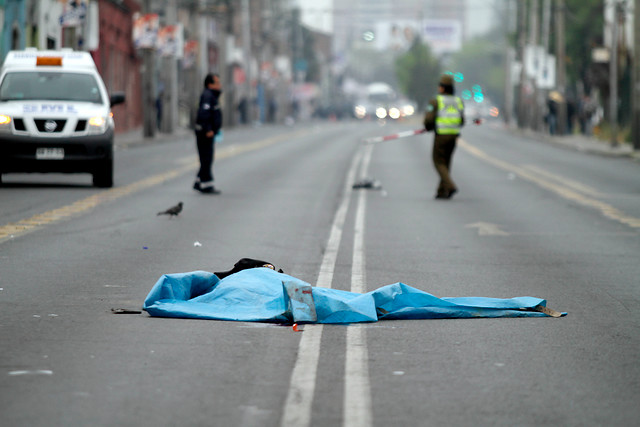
{"type": "Point", "coordinates": [584, 24]}
{"type": "Point", "coordinates": [418, 73]}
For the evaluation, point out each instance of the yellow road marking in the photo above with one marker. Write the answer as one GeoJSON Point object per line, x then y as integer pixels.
{"type": "Point", "coordinates": [578, 186]}
{"type": "Point", "coordinates": [528, 174]}
{"type": "Point", "coordinates": [12, 230]}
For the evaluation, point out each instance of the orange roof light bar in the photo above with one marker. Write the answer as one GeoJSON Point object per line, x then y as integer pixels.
{"type": "Point", "coordinates": [51, 61]}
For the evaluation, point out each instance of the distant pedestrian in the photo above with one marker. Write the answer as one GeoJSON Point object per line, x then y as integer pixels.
{"type": "Point", "coordinates": [571, 114]}
{"type": "Point", "coordinates": [242, 110]}
{"type": "Point", "coordinates": [586, 110]}
{"type": "Point", "coordinates": [208, 124]}
{"type": "Point", "coordinates": [159, 105]}
{"type": "Point", "coordinates": [552, 111]}
{"type": "Point", "coordinates": [445, 116]}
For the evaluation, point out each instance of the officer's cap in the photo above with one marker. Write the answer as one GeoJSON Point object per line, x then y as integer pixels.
{"type": "Point", "coordinates": [446, 80]}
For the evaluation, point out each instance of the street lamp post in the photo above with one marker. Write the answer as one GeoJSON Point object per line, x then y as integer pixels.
{"type": "Point", "coordinates": [636, 76]}
{"type": "Point", "coordinates": [613, 76]}
{"type": "Point", "coordinates": [246, 47]}
{"type": "Point", "coordinates": [148, 86]}
{"type": "Point", "coordinates": [561, 75]}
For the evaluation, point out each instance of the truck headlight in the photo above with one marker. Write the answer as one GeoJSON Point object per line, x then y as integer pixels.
{"type": "Point", "coordinates": [408, 110]}
{"type": "Point", "coordinates": [5, 123]}
{"type": "Point", "coordinates": [97, 124]}
{"type": "Point", "coordinates": [381, 112]}
{"type": "Point", "coordinates": [360, 111]}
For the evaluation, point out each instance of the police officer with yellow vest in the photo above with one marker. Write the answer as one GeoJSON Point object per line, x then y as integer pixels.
{"type": "Point", "coordinates": [445, 116]}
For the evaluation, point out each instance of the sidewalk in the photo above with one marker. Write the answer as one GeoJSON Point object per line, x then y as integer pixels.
{"type": "Point", "coordinates": [136, 137]}
{"type": "Point", "coordinates": [576, 142]}
{"type": "Point", "coordinates": [583, 143]}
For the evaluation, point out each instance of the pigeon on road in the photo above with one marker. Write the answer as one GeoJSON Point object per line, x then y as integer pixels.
{"type": "Point", "coordinates": [172, 211]}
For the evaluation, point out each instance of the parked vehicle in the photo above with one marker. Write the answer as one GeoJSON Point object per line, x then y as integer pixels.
{"type": "Point", "coordinates": [55, 115]}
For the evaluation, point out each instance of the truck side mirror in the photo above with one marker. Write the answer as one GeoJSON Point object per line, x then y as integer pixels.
{"type": "Point", "coordinates": [117, 98]}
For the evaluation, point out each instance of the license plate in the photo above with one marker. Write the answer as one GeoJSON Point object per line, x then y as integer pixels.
{"type": "Point", "coordinates": [50, 153]}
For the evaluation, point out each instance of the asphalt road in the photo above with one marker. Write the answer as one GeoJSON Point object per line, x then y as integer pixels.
{"type": "Point", "coordinates": [531, 219]}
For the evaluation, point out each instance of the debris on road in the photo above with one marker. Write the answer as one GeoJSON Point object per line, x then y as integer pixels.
{"type": "Point", "coordinates": [125, 311]}
{"type": "Point", "coordinates": [368, 184]}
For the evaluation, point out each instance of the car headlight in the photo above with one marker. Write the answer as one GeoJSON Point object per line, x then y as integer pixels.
{"type": "Point", "coordinates": [5, 123]}
{"type": "Point", "coordinates": [408, 110]}
{"type": "Point", "coordinates": [381, 112]}
{"type": "Point", "coordinates": [360, 111]}
{"type": "Point", "coordinates": [98, 124]}
{"type": "Point", "coordinates": [394, 113]}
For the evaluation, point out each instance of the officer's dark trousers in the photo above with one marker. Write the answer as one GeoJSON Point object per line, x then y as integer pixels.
{"type": "Point", "coordinates": [443, 147]}
{"type": "Point", "coordinates": [206, 154]}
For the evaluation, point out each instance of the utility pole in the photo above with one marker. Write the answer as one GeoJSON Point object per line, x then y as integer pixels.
{"type": "Point", "coordinates": [203, 48]}
{"type": "Point", "coordinates": [546, 23]}
{"type": "Point", "coordinates": [229, 93]}
{"type": "Point", "coordinates": [148, 87]}
{"type": "Point", "coordinates": [170, 72]}
{"type": "Point", "coordinates": [533, 46]}
{"type": "Point", "coordinates": [522, 20]}
{"type": "Point", "coordinates": [561, 76]}
{"type": "Point", "coordinates": [246, 47]}
{"type": "Point", "coordinates": [636, 76]}
{"type": "Point", "coordinates": [616, 22]}
{"type": "Point", "coordinates": [509, 59]}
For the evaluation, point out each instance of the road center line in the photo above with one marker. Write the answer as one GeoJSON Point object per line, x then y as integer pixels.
{"type": "Point", "coordinates": [357, 410]}
{"type": "Point", "coordinates": [298, 405]}
{"type": "Point", "coordinates": [605, 209]}
{"type": "Point", "coordinates": [578, 186]}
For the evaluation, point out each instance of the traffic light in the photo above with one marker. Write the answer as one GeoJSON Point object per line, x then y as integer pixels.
{"type": "Point", "coordinates": [478, 96]}
{"type": "Point", "coordinates": [457, 76]}
{"type": "Point", "coordinates": [368, 36]}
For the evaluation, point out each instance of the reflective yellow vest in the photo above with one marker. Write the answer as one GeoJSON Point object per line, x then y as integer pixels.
{"type": "Point", "coordinates": [449, 115]}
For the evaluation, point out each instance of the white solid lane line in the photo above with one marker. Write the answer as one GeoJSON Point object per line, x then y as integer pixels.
{"type": "Point", "coordinates": [357, 395]}
{"type": "Point", "coordinates": [298, 405]}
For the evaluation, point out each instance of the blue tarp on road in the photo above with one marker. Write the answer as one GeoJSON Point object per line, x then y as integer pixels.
{"type": "Point", "coordinates": [264, 295]}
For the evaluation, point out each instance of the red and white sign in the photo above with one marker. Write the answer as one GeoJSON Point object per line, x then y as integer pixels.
{"type": "Point", "coordinates": [145, 30]}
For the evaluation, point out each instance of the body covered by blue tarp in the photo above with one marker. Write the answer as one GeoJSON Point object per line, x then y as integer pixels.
{"type": "Point", "coordinates": [261, 294]}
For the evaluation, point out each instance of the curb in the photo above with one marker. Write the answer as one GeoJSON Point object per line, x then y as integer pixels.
{"type": "Point", "coordinates": [135, 137]}
{"type": "Point", "coordinates": [582, 143]}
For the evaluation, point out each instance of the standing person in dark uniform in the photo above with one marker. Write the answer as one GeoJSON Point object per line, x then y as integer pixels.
{"type": "Point", "coordinates": [445, 116]}
{"type": "Point", "coordinates": [208, 124]}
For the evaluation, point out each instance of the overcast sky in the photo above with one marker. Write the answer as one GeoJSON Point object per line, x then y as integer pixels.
{"type": "Point", "coordinates": [315, 14]}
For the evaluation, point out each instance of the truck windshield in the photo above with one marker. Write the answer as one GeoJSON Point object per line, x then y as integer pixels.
{"type": "Point", "coordinates": [49, 86]}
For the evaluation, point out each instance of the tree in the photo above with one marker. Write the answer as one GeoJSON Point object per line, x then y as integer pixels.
{"type": "Point", "coordinates": [584, 26]}
{"type": "Point", "coordinates": [418, 73]}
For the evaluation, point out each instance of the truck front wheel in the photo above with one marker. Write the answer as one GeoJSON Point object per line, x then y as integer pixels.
{"type": "Point", "coordinates": [103, 174]}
